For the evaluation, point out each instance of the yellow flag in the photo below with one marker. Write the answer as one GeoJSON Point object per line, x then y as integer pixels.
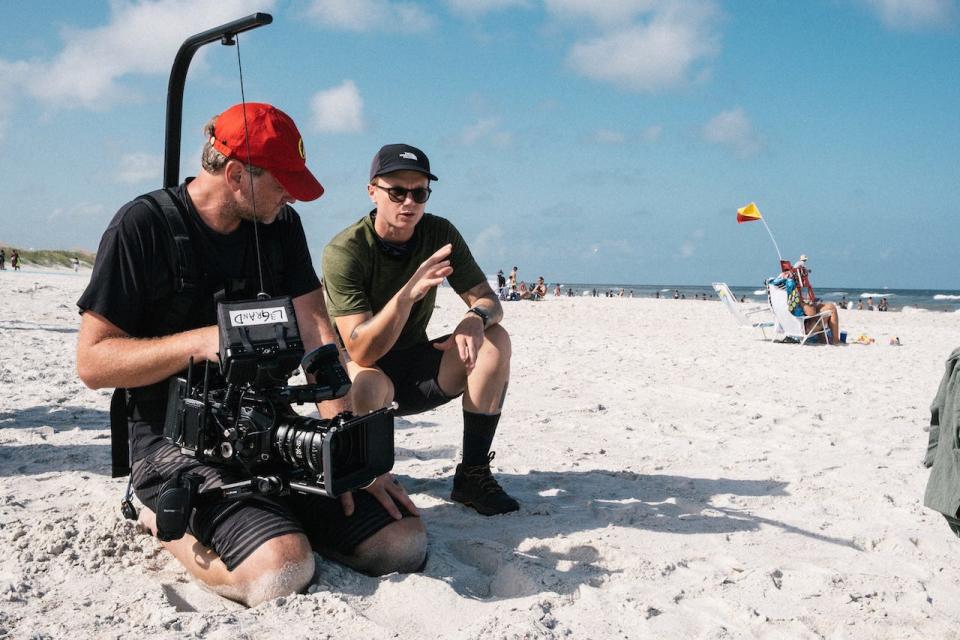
{"type": "Point", "coordinates": [748, 213]}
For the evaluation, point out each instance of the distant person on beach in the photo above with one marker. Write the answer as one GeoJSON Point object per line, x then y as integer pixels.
{"type": "Point", "coordinates": [501, 280]}
{"type": "Point", "coordinates": [860, 305]}
{"type": "Point", "coordinates": [15, 260]}
{"type": "Point", "coordinates": [883, 306]}
{"type": "Point", "coordinates": [540, 289]}
{"type": "Point", "coordinates": [3, 260]}
{"type": "Point", "coordinates": [513, 277]}
{"type": "Point", "coordinates": [76, 264]}
{"type": "Point", "coordinates": [556, 289]}
{"type": "Point", "coordinates": [870, 303]}
{"type": "Point", "coordinates": [523, 291]}
{"type": "Point", "coordinates": [381, 275]}
{"type": "Point", "coordinates": [138, 329]}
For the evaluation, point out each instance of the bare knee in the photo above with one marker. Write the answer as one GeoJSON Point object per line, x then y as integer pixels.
{"type": "Point", "coordinates": [279, 567]}
{"type": "Point", "coordinates": [496, 344]}
{"type": "Point", "coordinates": [371, 389]}
{"type": "Point", "coordinates": [400, 547]}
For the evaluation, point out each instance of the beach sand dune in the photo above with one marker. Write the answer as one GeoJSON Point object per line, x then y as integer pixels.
{"type": "Point", "coordinates": [679, 477]}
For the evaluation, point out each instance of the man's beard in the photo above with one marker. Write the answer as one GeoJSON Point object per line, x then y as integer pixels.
{"type": "Point", "coordinates": [243, 212]}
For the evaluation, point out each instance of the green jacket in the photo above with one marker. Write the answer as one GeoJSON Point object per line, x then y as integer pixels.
{"type": "Point", "coordinates": [943, 446]}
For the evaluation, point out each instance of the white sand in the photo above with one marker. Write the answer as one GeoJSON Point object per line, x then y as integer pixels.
{"type": "Point", "coordinates": [679, 478]}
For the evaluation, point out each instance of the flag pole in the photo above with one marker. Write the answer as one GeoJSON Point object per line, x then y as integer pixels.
{"type": "Point", "coordinates": [779, 255]}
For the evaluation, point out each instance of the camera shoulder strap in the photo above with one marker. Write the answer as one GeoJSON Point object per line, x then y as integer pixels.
{"type": "Point", "coordinates": [182, 255]}
{"type": "Point", "coordinates": [187, 275]}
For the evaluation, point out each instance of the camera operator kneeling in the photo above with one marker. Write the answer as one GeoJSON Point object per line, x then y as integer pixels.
{"type": "Point", "coordinates": [151, 306]}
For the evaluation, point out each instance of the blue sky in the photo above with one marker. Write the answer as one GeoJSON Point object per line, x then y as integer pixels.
{"type": "Point", "coordinates": [585, 141]}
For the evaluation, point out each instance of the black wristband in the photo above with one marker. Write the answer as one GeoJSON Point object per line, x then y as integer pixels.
{"type": "Point", "coordinates": [482, 313]}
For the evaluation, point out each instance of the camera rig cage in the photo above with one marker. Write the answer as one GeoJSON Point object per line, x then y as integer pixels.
{"type": "Point", "coordinates": [244, 418]}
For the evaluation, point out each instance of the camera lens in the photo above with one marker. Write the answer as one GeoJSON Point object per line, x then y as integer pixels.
{"type": "Point", "coordinates": [300, 443]}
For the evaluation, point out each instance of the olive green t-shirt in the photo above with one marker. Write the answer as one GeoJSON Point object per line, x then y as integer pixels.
{"type": "Point", "coordinates": [361, 273]}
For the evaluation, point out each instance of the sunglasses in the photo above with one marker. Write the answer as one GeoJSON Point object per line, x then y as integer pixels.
{"type": "Point", "coordinates": [399, 194]}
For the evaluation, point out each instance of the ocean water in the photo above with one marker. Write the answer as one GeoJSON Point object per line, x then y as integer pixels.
{"type": "Point", "coordinates": [897, 299]}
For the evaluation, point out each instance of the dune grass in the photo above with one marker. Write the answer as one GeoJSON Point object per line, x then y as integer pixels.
{"type": "Point", "coordinates": [50, 257]}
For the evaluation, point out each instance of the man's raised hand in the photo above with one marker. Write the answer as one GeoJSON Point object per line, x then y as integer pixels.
{"type": "Point", "coordinates": [430, 274]}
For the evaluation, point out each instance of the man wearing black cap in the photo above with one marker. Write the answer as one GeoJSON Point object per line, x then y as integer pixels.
{"type": "Point", "coordinates": [140, 326]}
{"type": "Point", "coordinates": [380, 276]}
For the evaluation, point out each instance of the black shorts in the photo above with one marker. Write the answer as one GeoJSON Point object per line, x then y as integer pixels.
{"type": "Point", "coordinates": [413, 372]}
{"type": "Point", "coordinates": [233, 529]}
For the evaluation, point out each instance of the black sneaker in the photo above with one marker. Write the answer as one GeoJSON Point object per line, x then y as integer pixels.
{"type": "Point", "coordinates": [475, 486]}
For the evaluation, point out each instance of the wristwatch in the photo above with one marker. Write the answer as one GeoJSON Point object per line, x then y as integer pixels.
{"type": "Point", "coordinates": [482, 313]}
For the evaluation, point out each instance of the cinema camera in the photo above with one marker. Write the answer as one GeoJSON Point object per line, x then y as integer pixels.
{"type": "Point", "coordinates": [245, 419]}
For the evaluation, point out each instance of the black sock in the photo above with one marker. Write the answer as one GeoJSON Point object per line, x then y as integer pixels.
{"type": "Point", "coordinates": [478, 432]}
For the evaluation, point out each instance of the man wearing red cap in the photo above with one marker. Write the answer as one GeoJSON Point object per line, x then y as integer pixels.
{"type": "Point", "coordinates": [150, 306]}
{"type": "Point", "coordinates": [381, 275]}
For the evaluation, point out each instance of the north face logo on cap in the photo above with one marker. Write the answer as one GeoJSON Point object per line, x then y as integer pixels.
{"type": "Point", "coordinates": [406, 155]}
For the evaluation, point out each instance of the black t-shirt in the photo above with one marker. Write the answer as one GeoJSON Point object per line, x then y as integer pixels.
{"type": "Point", "coordinates": [133, 280]}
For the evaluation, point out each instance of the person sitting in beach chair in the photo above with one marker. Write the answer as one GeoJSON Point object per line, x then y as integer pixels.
{"type": "Point", "coordinates": [540, 289]}
{"type": "Point", "coordinates": [523, 293]}
{"type": "Point", "coordinates": [381, 276]}
{"type": "Point", "coordinates": [812, 313]}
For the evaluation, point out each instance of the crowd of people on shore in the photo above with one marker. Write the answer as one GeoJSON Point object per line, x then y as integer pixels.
{"type": "Point", "coordinates": [883, 305]}
{"type": "Point", "coordinates": [510, 288]}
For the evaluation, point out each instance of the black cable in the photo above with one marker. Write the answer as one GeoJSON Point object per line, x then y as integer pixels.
{"type": "Point", "coordinates": [253, 199]}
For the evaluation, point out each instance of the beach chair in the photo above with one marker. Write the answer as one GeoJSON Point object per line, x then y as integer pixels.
{"type": "Point", "coordinates": [791, 326]}
{"type": "Point", "coordinates": [741, 313]}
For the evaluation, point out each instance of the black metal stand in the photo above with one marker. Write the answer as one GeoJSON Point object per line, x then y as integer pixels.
{"type": "Point", "coordinates": [178, 77]}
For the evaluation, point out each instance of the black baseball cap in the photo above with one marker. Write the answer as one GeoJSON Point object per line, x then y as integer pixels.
{"type": "Point", "coordinates": [400, 157]}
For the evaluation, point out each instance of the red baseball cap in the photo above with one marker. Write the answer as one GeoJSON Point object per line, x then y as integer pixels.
{"type": "Point", "coordinates": [275, 144]}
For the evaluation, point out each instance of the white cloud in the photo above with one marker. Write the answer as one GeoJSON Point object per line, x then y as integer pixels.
{"type": "Point", "coordinates": [734, 130]}
{"type": "Point", "coordinates": [603, 13]}
{"type": "Point", "coordinates": [914, 14]}
{"type": "Point", "coordinates": [668, 46]}
{"type": "Point", "coordinates": [652, 133]}
{"type": "Point", "coordinates": [140, 167]}
{"type": "Point", "coordinates": [141, 37]}
{"type": "Point", "coordinates": [608, 136]}
{"type": "Point", "coordinates": [481, 7]}
{"type": "Point", "coordinates": [78, 215]}
{"type": "Point", "coordinates": [371, 15]}
{"type": "Point", "coordinates": [485, 130]}
{"type": "Point", "coordinates": [338, 110]}
{"type": "Point", "coordinates": [489, 244]}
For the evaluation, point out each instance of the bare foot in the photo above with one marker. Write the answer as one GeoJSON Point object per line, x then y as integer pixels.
{"type": "Point", "coordinates": [147, 521]}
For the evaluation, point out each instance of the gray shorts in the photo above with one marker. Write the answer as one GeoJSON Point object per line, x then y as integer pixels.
{"type": "Point", "coordinates": [234, 529]}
